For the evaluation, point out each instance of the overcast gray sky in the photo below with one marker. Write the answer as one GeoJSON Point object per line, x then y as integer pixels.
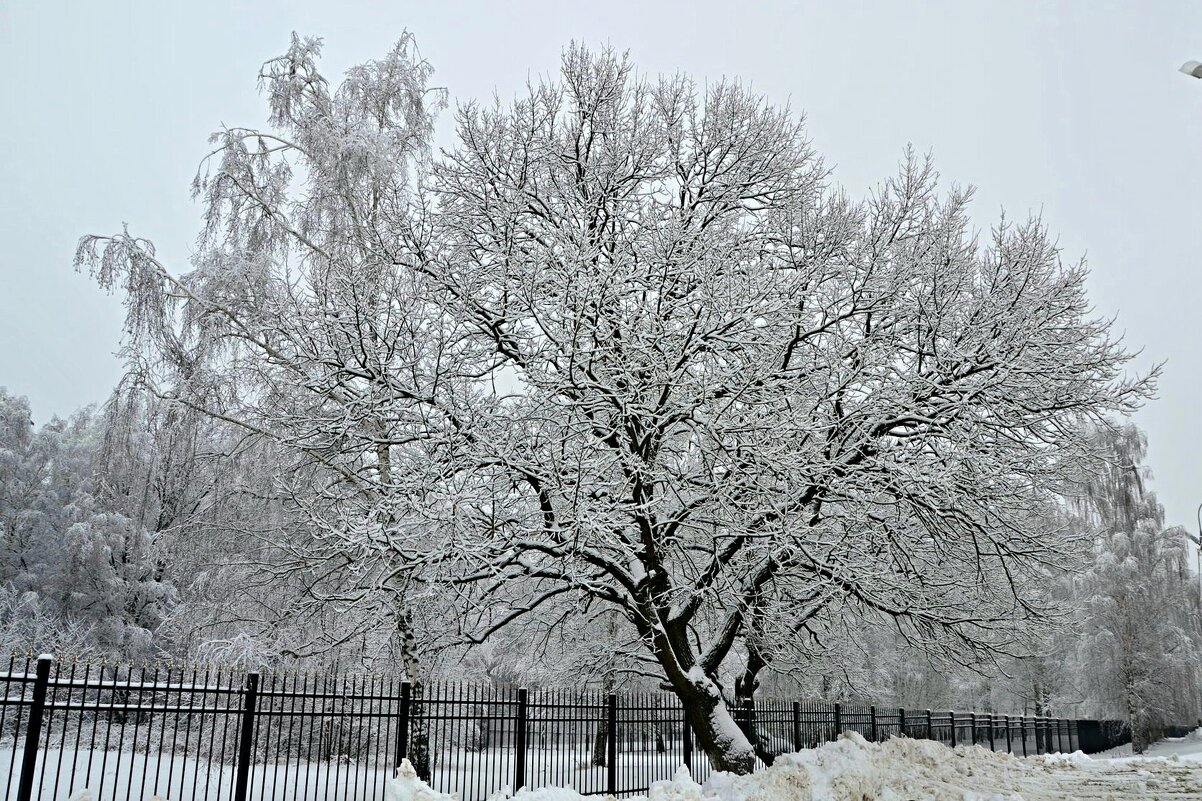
{"type": "Point", "coordinates": [1070, 109]}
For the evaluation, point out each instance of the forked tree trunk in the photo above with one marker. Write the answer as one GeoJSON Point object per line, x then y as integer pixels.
{"type": "Point", "coordinates": [714, 729]}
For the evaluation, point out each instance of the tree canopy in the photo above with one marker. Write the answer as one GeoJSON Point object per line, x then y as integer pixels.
{"type": "Point", "coordinates": [626, 349]}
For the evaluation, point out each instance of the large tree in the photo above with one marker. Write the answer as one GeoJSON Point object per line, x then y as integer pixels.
{"type": "Point", "coordinates": [738, 401]}
{"type": "Point", "coordinates": [624, 347]}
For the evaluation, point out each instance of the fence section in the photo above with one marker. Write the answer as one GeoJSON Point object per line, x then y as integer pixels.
{"type": "Point", "coordinates": [212, 734]}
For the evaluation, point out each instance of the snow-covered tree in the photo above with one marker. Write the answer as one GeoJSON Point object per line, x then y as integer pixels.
{"type": "Point", "coordinates": [625, 350]}
{"type": "Point", "coordinates": [737, 401]}
{"type": "Point", "coordinates": [1141, 643]}
{"type": "Point", "coordinates": [299, 327]}
{"type": "Point", "coordinates": [296, 326]}
{"type": "Point", "coordinates": [81, 571]}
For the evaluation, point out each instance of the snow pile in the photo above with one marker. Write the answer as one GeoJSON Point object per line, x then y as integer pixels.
{"type": "Point", "coordinates": [901, 769]}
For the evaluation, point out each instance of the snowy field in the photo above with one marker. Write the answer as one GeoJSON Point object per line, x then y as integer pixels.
{"type": "Point", "coordinates": [124, 776]}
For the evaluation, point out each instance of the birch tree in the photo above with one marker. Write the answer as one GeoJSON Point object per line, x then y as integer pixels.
{"type": "Point", "coordinates": [1141, 640]}
{"type": "Point", "coordinates": [736, 399]}
{"type": "Point", "coordinates": [297, 325]}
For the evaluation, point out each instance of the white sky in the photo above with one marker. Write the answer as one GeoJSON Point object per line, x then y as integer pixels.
{"type": "Point", "coordinates": [1071, 109]}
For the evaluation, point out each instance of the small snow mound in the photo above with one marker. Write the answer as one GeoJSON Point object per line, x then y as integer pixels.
{"type": "Point", "coordinates": [680, 788]}
{"type": "Point", "coordinates": [854, 736]}
{"type": "Point", "coordinates": [1065, 760]}
{"type": "Point", "coordinates": [408, 787]}
{"type": "Point", "coordinates": [783, 781]}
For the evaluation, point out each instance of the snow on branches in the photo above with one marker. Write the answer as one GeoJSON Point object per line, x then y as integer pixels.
{"type": "Point", "coordinates": [741, 400]}
{"type": "Point", "coordinates": [625, 349]}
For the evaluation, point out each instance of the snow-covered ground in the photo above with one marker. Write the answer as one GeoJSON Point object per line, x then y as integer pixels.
{"type": "Point", "coordinates": [1187, 749]}
{"type": "Point", "coordinates": [853, 769]}
{"type": "Point", "coordinates": [125, 776]}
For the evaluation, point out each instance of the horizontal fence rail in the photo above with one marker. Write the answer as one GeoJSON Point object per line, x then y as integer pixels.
{"type": "Point", "coordinates": [215, 734]}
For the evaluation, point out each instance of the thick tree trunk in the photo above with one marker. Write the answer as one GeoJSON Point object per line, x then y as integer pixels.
{"type": "Point", "coordinates": [714, 729]}
{"type": "Point", "coordinates": [419, 734]}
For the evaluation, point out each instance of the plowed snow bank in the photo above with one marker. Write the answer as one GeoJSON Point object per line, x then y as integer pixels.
{"type": "Point", "coordinates": [853, 769]}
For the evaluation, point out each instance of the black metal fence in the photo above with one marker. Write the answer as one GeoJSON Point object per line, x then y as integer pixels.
{"type": "Point", "coordinates": [130, 732]}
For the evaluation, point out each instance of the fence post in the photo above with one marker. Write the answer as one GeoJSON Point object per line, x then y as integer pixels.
{"type": "Point", "coordinates": [1022, 732]}
{"type": "Point", "coordinates": [838, 720]}
{"type": "Point", "coordinates": [872, 723]}
{"type": "Point", "coordinates": [402, 735]}
{"type": "Point", "coordinates": [992, 728]}
{"type": "Point", "coordinates": [246, 735]}
{"type": "Point", "coordinates": [952, 717]}
{"type": "Point", "coordinates": [33, 729]}
{"type": "Point", "coordinates": [519, 742]}
{"type": "Point", "coordinates": [930, 729]}
{"type": "Point", "coordinates": [686, 743]}
{"type": "Point", "coordinates": [611, 744]}
{"type": "Point", "coordinates": [797, 726]}
{"type": "Point", "coordinates": [901, 722]}
{"type": "Point", "coordinates": [1009, 747]}
{"type": "Point", "coordinates": [972, 722]}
